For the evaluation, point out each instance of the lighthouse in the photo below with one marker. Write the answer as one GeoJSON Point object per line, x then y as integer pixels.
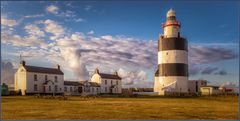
{"type": "Point", "coordinates": [172, 73]}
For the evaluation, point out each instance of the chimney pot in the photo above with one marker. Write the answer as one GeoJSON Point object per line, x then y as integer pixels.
{"type": "Point", "coordinates": [58, 67]}
{"type": "Point", "coordinates": [23, 63]}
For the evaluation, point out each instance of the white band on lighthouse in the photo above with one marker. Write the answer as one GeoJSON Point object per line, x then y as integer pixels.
{"type": "Point", "coordinates": [172, 56]}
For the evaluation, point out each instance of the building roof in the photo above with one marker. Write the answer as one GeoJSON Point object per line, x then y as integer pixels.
{"type": "Point", "coordinates": [72, 83]}
{"type": "Point", "coordinates": [43, 70]}
{"type": "Point", "coordinates": [92, 84]}
{"type": "Point", "coordinates": [109, 76]}
{"type": "Point", "coordinates": [210, 86]}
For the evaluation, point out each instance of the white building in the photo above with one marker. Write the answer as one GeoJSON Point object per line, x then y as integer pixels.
{"type": "Point", "coordinates": [38, 80]}
{"type": "Point", "coordinates": [210, 90]}
{"type": "Point", "coordinates": [109, 83]}
{"type": "Point", "coordinates": [195, 85]}
{"type": "Point", "coordinates": [77, 88]}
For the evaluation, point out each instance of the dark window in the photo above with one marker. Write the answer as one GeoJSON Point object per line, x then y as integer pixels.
{"type": "Point", "coordinates": [105, 89]}
{"type": "Point", "coordinates": [60, 89]}
{"type": "Point", "coordinates": [65, 88]}
{"type": "Point", "coordinates": [35, 77]}
{"type": "Point", "coordinates": [55, 79]}
{"type": "Point", "coordinates": [70, 89]}
{"type": "Point", "coordinates": [117, 82]}
{"type": "Point", "coordinates": [35, 87]}
{"type": "Point", "coordinates": [49, 88]}
{"type": "Point", "coordinates": [46, 78]}
{"type": "Point", "coordinates": [111, 82]}
{"type": "Point", "coordinates": [56, 88]}
{"type": "Point", "coordinates": [106, 82]}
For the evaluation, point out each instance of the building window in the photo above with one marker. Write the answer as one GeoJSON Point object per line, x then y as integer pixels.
{"type": "Point", "coordinates": [105, 82]}
{"type": "Point", "coordinates": [105, 89]}
{"type": "Point", "coordinates": [111, 82]}
{"type": "Point", "coordinates": [46, 78]}
{"type": "Point", "coordinates": [65, 89]}
{"type": "Point", "coordinates": [49, 88]}
{"type": "Point", "coordinates": [70, 89]}
{"type": "Point", "coordinates": [56, 88]}
{"type": "Point", "coordinates": [117, 82]}
{"type": "Point", "coordinates": [60, 89]}
{"type": "Point", "coordinates": [35, 77]}
{"type": "Point", "coordinates": [35, 87]}
{"type": "Point", "coordinates": [55, 79]}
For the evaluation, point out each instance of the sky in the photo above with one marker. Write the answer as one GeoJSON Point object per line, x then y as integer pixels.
{"type": "Point", "coordinates": [118, 36]}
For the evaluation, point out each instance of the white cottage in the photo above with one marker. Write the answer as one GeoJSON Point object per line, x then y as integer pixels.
{"type": "Point", "coordinates": [109, 83]}
{"type": "Point", "coordinates": [38, 80]}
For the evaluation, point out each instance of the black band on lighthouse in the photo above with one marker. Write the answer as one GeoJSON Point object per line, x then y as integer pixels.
{"type": "Point", "coordinates": [172, 43]}
{"type": "Point", "coordinates": [173, 69]}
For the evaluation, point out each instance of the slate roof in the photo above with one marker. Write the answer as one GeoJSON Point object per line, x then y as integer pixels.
{"type": "Point", "coordinates": [109, 76]}
{"type": "Point", "coordinates": [72, 83]}
{"type": "Point", "coordinates": [93, 84]}
{"type": "Point", "coordinates": [43, 70]}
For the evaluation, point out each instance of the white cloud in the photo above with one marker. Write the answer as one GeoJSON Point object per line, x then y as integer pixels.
{"type": "Point", "coordinates": [16, 40]}
{"type": "Point", "coordinates": [8, 22]}
{"type": "Point", "coordinates": [34, 16]}
{"type": "Point", "coordinates": [90, 32]}
{"type": "Point", "coordinates": [34, 30]}
{"type": "Point", "coordinates": [78, 20]}
{"type": "Point", "coordinates": [88, 7]}
{"type": "Point", "coordinates": [54, 28]}
{"type": "Point", "coordinates": [52, 9]}
{"type": "Point", "coordinates": [107, 37]}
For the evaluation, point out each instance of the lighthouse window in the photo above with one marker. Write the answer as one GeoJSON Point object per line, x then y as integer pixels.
{"type": "Point", "coordinates": [171, 18]}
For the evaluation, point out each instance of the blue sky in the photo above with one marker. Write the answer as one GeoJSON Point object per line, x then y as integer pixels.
{"type": "Point", "coordinates": [210, 27]}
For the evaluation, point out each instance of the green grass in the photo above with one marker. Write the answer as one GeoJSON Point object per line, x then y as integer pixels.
{"type": "Point", "coordinates": [28, 107]}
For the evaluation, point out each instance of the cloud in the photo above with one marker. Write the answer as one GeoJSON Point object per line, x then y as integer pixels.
{"type": "Point", "coordinates": [209, 70]}
{"type": "Point", "coordinates": [8, 22]}
{"type": "Point", "coordinates": [34, 16]}
{"type": "Point", "coordinates": [53, 28]}
{"type": "Point", "coordinates": [52, 9]}
{"type": "Point", "coordinates": [221, 72]}
{"type": "Point", "coordinates": [88, 8]}
{"type": "Point", "coordinates": [131, 78]}
{"type": "Point", "coordinates": [7, 72]}
{"type": "Point", "coordinates": [78, 20]}
{"type": "Point", "coordinates": [90, 32]}
{"type": "Point", "coordinates": [206, 55]}
{"type": "Point", "coordinates": [34, 30]}
{"type": "Point", "coordinates": [18, 41]}
{"type": "Point", "coordinates": [73, 57]}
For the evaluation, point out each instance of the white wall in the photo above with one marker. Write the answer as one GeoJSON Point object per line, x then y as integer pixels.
{"type": "Point", "coordinates": [173, 56]}
{"type": "Point", "coordinates": [20, 79]}
{"type": "Point", "coordinates": [41, 80]}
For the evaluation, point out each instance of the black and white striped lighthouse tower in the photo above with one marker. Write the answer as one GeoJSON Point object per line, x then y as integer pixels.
{"type": "Point", "coordinates": [172, 73]}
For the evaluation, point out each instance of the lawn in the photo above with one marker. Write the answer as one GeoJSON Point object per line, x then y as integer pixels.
{"type": "Point", "coordinates": [29, 107]}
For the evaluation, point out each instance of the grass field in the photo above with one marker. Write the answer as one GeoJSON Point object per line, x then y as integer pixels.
{"type": "Point", "coordinates": [29, 107]}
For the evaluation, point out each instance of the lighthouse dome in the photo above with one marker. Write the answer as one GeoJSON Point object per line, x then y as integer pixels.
{"type": "Point", "coordinates": [170, 12]}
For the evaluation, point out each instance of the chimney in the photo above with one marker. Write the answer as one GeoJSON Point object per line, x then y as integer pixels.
{"type": "Point", "coordinates": [96, 71]}
{"type": "Point", "coordinates": [58, 67]}
{"type": "Point", "coordinates": [23, 63]}
{"type": "Point", "coordinates": [115, 73]}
